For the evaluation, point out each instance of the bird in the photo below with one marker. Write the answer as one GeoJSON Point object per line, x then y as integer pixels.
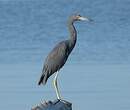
{"type": "Point", "coordinates": [60, 53]}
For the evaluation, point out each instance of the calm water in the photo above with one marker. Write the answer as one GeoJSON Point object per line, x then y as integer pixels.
{"type": "Point", "coordinates": [100, 61]}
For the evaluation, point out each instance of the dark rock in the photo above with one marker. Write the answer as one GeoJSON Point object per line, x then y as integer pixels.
{"type": "Point", "coordinates": [54, 105]}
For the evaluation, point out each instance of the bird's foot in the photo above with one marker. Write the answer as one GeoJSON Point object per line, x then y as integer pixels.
{"type": "Point", "coordinates": [60, 98]}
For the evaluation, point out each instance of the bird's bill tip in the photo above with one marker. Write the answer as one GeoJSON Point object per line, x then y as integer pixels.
{"type": "Point", "coordinates": [85, 19]}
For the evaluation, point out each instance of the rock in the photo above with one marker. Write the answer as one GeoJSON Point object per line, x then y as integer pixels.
{"type": "Point", "coordinates": [54, 105]}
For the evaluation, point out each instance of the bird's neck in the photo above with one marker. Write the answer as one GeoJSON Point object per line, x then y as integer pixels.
{"type": "Point", "coordinates": [73, 33]}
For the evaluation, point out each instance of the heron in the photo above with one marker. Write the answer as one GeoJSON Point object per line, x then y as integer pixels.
{"type": "Point", "coordinates": [60, 53]}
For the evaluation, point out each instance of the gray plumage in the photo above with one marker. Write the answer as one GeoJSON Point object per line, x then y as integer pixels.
{"type": "Point", "coordinates": [55, 60]}
{"type": "Point", "coordinates": [59, 55]}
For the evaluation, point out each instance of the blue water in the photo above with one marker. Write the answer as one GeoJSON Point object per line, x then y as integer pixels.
{"type": "Point", "coordinates": [100, 62]}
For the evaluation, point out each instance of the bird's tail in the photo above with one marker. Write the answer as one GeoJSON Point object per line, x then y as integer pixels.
{"type": "Point", "coordinates": [43, 79]}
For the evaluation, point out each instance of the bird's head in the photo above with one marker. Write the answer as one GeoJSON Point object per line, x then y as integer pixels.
{"type": "Point", "coordinates": [78, 17]}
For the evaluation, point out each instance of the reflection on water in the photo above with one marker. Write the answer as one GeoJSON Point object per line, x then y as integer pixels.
{"type": "Point", "coordinates": [104, 86]}
{"type": "Point", "coordinates": [98, 69]}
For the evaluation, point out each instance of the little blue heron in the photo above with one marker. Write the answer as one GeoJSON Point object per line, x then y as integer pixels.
{"type": "Point", "coordinates": [59, 55]}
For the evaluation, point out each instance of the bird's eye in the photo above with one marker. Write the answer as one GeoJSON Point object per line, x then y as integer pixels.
{"type": "Point", "coordinates": [77, 17]}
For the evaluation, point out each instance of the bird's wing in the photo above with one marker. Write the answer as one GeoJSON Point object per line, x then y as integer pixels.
{"type": "Point", "coordinates": [56, 58]}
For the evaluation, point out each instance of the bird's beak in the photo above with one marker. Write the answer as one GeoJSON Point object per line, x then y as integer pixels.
{"type": "Point", "coordinates": [85, 19]}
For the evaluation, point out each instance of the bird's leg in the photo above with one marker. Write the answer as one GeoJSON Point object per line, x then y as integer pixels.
{"type": "Point", "coordinates": [56, 86]}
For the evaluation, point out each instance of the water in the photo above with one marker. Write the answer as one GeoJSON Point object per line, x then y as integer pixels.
{"type": "Point", "coordinates": [100, 60]}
